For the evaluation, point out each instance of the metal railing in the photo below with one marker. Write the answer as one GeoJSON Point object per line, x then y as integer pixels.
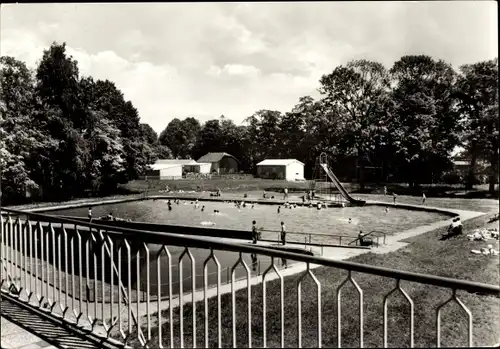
{"type": "Point", "coordinates": [318, 238]}
{"type": "Point", "coordinates": [48, 261]}
{"type": "Point", "coordinates": [377, 233]}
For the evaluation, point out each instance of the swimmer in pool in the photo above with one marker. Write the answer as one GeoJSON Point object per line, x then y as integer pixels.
{"type": "Point", "coordinates": [252, 205]}
{"type": "Point", "coordinates": [350, 221]}
{"type": "Point", "coordinates": [279, 209]}
{"type": "Point", "coordinates": [386, 209]}
{"type": "Point", "coordinates": [202, 208]}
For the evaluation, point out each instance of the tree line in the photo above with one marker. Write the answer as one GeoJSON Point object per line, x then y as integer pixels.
{"type": "Point", "coordinates": [62, 134]}
{"type": "Point", "coordinates": [405, 121]}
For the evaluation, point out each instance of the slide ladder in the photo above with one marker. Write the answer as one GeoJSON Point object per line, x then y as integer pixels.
{"type": "Point", "coordinates": [324, 165]}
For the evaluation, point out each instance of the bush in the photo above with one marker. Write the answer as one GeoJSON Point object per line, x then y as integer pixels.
{"type": "Point", "coordinates": [452, 178]}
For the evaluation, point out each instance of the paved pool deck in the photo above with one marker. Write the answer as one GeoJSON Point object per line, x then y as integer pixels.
{"type": "Point", "coordinates": [21, 328]}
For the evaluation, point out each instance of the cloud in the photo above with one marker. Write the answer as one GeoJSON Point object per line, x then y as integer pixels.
{"type": "Point", "coordinates": [207, 59]}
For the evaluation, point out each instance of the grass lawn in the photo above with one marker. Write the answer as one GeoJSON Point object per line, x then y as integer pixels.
{"type": "Point", "coordinates": [248, 184]}
{"type": "Point", "coordinates": [426, 254]}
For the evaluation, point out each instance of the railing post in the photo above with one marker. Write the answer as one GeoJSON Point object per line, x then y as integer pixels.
{"type": "Point", "coordinates": [340, 240]}
{"type": "Point", "coordinates": [305, 242]}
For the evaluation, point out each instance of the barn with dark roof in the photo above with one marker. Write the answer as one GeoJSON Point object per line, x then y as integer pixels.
{"type": "Point", "coordinates": [220, 162]}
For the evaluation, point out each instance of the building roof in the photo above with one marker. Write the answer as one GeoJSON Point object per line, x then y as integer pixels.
{"type": "Point", "coordinates": [163, 166]}
{"type": "Point", "coordinates": [214, 157]}
{"type": "Point", "coordinates": [278, 162]}
{"type": "Point", "coordinates": [176, 162]}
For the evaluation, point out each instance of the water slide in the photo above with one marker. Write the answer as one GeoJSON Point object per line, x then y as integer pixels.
{"type": "Point", "coordinates": [340, 187]}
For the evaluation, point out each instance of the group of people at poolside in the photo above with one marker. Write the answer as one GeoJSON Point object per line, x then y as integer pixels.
{"type": "Point", "coordinates": [108, 217]}
{"type": "Point", "coordinates": [256, 234]}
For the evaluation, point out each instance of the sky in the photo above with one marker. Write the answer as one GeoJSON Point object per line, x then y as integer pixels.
{"type": "Point", "coordinates": [176, 60]}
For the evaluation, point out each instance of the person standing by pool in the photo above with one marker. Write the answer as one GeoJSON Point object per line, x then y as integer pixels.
{"type": "Point", "coordinates": [385, 190]}
{"type": "Point", "coordinates": [90, 214]}
{"type": "Point", "coordinates": [394, 198]}
{"type": "Point", "coordinates": [254, 261]}
{"type": "Point", "coordinates": [285, 193]}
{"type": "Point", "coordinates": [264, 195]}
{"type": "Point", "coordinates": [284, 263]}
{"type": "Point", "coordinates": [254, 232]}
{"type": "Point", "coordinates": [423, 198]}
{"type": "Point", "coordinates": [283, 233]}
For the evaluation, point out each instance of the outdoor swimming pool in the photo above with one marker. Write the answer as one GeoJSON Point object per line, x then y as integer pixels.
{"type": "Point", "coordinates": [299, 219]}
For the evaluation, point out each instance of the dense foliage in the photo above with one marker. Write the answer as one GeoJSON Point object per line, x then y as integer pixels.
{"type": "Point", "coordinates": [62, 135]}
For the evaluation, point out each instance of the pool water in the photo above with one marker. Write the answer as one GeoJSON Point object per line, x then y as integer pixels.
{"type": "Point", "coordinates": [300, 219]}
{"type": "Point", "coordinates": [329, 221]}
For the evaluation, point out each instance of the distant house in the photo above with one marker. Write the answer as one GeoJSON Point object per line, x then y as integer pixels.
{"type": "Point", "coordinates": [220, 162]}
{"type": "Point", "coordinates": [188, 165]}
{"type": "Point", "coordinates": [289, 169]}
{"type": "Point", "coordinates": [461, 165]}
{"type": "Point", "coordinates": [164, 171]}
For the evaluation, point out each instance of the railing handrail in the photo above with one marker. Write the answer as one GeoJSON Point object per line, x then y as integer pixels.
{"type": "Point", "coordinates": [214, 243]}
{"type": "Point", "coordinates": [312, 234]}
{"type": "Point", "coordinates": [370, 233]}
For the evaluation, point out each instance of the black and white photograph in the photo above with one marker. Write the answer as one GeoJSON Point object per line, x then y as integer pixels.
{"type": "Point", "coordinates": [249, 174]}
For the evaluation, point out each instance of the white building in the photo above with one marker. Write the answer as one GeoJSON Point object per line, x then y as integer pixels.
{"type": "Point", "coordinates": [187, 166]}
{"type": "Point", "coordinates": [165, 171]}
{"type": "Point", "coordinates": [289, 169]}
{"type": "Point", "coordinates": [204, 167]}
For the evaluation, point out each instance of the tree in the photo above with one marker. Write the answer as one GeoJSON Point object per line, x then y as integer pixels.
{"type": "Point", "coordinates": [60, 114]}
{"type": "Point", "coordinates": [180, 136]}
{"type": "Point", "coordinates": [108, 158]}
{"type": "Point", "coordinates": [355, 94]}
{"type": "Point", "coordinates": [477, 91]}
{"type": "Point", "coordinates": [125, 117]}
{"type": "Point", "coordinates": [18, 139]}
{"type": "Point", "coordinates": [149, 135]}
{"type": "Point", "coordinates": [263, 135]}
{"type": "Point", "coordinates": [425, 129]}
{"type": "Point", "coordinates": [58, 83]}
{"type": "Point", "coordinates": [209, 139]}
